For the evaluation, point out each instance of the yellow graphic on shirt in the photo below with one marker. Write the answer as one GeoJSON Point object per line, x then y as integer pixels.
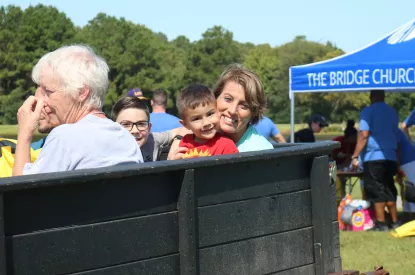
{"type": "Point", "coordinates": [194, 153]}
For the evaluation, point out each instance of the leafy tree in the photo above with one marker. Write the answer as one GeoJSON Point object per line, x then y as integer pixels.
{"type": "Point", "coordinates": [24, 37]}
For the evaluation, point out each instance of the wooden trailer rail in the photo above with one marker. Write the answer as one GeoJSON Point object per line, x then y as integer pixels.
{"type": "Point", "coordinates": [267, 212]}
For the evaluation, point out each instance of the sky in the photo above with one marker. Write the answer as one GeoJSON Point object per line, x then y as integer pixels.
{"type": "Point", "coordinates": [349, 24]}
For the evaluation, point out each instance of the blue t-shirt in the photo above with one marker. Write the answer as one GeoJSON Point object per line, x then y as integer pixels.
{"type": "Point", "coordinates": [252, 141]}
{"type": "Point", "coordinates": [266, 128]}
{"type": "Point", "coordinates": [381, 121]}
{"type": "Point", "coordinates": [163, 122]}
{"type": "Point", "coordinates": [407, 149]}
{"type": "Point", "coordinates": [410, 120]}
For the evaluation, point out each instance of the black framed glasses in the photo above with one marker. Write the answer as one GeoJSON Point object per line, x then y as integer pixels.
{"type": "Point", "coordinates": [141, 125]}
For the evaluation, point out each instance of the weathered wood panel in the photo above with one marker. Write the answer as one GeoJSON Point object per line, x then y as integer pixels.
{"type": "Point", "coordinates": [94, 246]}
{"type": "Point", "coordinates": [85, 203]}
{"type": "Point", "coordinates": [260, 178]}
{"type": "Point", "coordinates": [259, 255]}
{"type": "Point", "coordinates": [252, 218]}
{"type": "Point", "coordinates": [321, 195]}
{"type": "Point", "coordinates": [169, 265]}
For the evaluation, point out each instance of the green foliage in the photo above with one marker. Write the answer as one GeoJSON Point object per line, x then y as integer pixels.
{"type": "Point", "coordinates": [24, 37]}
{"type": "Point", "coordinates": [139, 57]}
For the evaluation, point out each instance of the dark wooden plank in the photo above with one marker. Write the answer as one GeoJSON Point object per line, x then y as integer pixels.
{"type": "Point", "coordinates": [321, 196]}
{"type": "Point", "coordinates": [141, 169]}
{"type": "Point", "coordinates": [187, 225]}
{"type": "Point", "coordinates": [334, 201]}
{"type": "Point", "coordinates": [169, 265]}
{"type": "Point", "coordinates": [95, 246]}
{"type": "Point", "coordinates": [338, 264]}
{"type": "Point", "coordinates": [260, 255]}
{"type": "Point", "coordinates": [302, 270]}
{"type": "Point", "coordinates": [227, 183]}
{"type": "Point", "coordinates": [256, 217]}
{"type": "Point", "coordinates": [336, 240]}
{"type": "Point", "coordinates": [86, 203]}
{"type": "Point", "coordinates": [3, 263]}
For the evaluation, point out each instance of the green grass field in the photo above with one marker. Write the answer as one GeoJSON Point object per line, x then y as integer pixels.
{"type": "Point", "coordinates": [361, 250]}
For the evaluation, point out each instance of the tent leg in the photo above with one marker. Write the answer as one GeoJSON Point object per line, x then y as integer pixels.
{"type": "Point", "coordinates": [292, 118]}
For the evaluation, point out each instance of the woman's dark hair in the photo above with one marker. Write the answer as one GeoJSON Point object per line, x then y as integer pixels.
{"type": "Point", "coordinates": [350, 129]}
{"type": "Point", "coordinates": [129, 102]}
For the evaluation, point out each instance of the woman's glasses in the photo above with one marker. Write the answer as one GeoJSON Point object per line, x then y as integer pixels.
{"type": "Point", "coordinates": [141, 125]}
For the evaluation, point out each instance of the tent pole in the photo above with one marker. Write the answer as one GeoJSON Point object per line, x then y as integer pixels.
{"type": "Point", "coordinates": [292, 117]}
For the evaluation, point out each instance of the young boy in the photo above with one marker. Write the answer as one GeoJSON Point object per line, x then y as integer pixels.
{"type": "Point", "coordinates": [197, 109]}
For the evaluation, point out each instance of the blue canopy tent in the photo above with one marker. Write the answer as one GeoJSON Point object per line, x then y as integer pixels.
{"type": "Point", "coordinates": [387, 64]}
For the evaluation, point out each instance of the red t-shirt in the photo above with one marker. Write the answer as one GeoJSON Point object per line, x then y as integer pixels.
{"type": "Point", "coordinates": [219, 145]}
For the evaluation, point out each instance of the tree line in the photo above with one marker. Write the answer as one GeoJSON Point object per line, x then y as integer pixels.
{"type": "Point", "coordinates": [139, 57]}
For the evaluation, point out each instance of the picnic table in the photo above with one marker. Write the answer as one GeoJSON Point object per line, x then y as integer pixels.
{"type": "Point", "coordinates": [351, 177]}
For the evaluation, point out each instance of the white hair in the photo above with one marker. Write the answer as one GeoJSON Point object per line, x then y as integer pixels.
{"type": "Point", "coordinates": [76, 67]}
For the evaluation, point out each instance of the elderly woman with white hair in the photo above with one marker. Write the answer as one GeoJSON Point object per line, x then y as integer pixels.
{"type": "Point", "coordinates": [72, 82]}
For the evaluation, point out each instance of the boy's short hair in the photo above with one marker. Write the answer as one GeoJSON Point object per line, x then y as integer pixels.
{"type": "Point", "coordinates": [129, 102]}
{"type": "Point", "coordinates": [192, 96]}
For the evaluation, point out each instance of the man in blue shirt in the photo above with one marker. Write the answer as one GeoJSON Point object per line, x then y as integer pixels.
{"type": "Point", "coordinates": [408, 122]}
{"type": "Point", "coordinates": [377, 146]}
{"type": "Point", "coordinates": [160, 120]}
{"type": "Point", "coordinates": [267, 128]}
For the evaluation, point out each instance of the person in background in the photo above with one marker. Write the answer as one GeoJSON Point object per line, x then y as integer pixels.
{"type": "Point", "coordinates": [72, 83]}
{"type": "Point", "coordinates": [160, 120]}
{"type": "Point", "coordinates": [136, 92]}
{"type": "Point", "coordinates": [198, 113]}
{"type": "Point", "coordinates": [316, 123]}
{"type": "Point", "coordinates": [408, 122]}
{"type": "Point", "coordinates": [377, 146]}
{"type": "Point", "coordinates": [269, 130]}
{"type": "Point", "coordinates": [343, 155]}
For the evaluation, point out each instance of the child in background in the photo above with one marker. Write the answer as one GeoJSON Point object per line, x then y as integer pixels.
{"type": "Point", "coordinates": [197, 109]}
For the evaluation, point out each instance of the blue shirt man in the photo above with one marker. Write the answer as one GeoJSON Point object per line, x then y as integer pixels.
{"type": "Point", "coordinates": [408, 122]}
{"type": "Point", "coordinates": [163, 122]}
{"type": "Point", "coordinates": [377, 146]}
{"type": "Point", "coordinates": [381, 121]}
{"type": "Point", "coordinates": [160, 120]}
{"type": "Point", "coordinates": [269, 130]}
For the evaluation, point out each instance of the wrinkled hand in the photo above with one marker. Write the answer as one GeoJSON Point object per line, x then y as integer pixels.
{"type": "Point", "coordinates": [355, 164]}
{"type": "Point", "coordinates": [28, 116]}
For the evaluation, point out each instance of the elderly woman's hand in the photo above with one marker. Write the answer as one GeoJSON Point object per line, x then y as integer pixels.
{"type": "Point", "coordinates": [28, 116]}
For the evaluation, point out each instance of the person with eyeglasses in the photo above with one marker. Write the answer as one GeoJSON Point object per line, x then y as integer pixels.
{"type": "Point", "coordinates": [133, 114]}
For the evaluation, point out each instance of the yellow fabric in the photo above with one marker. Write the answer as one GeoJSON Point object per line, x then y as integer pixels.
{"type": "Point", "coordinates": [7, 158]}
{"type": "Point", "coordinates": [406, 230]}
